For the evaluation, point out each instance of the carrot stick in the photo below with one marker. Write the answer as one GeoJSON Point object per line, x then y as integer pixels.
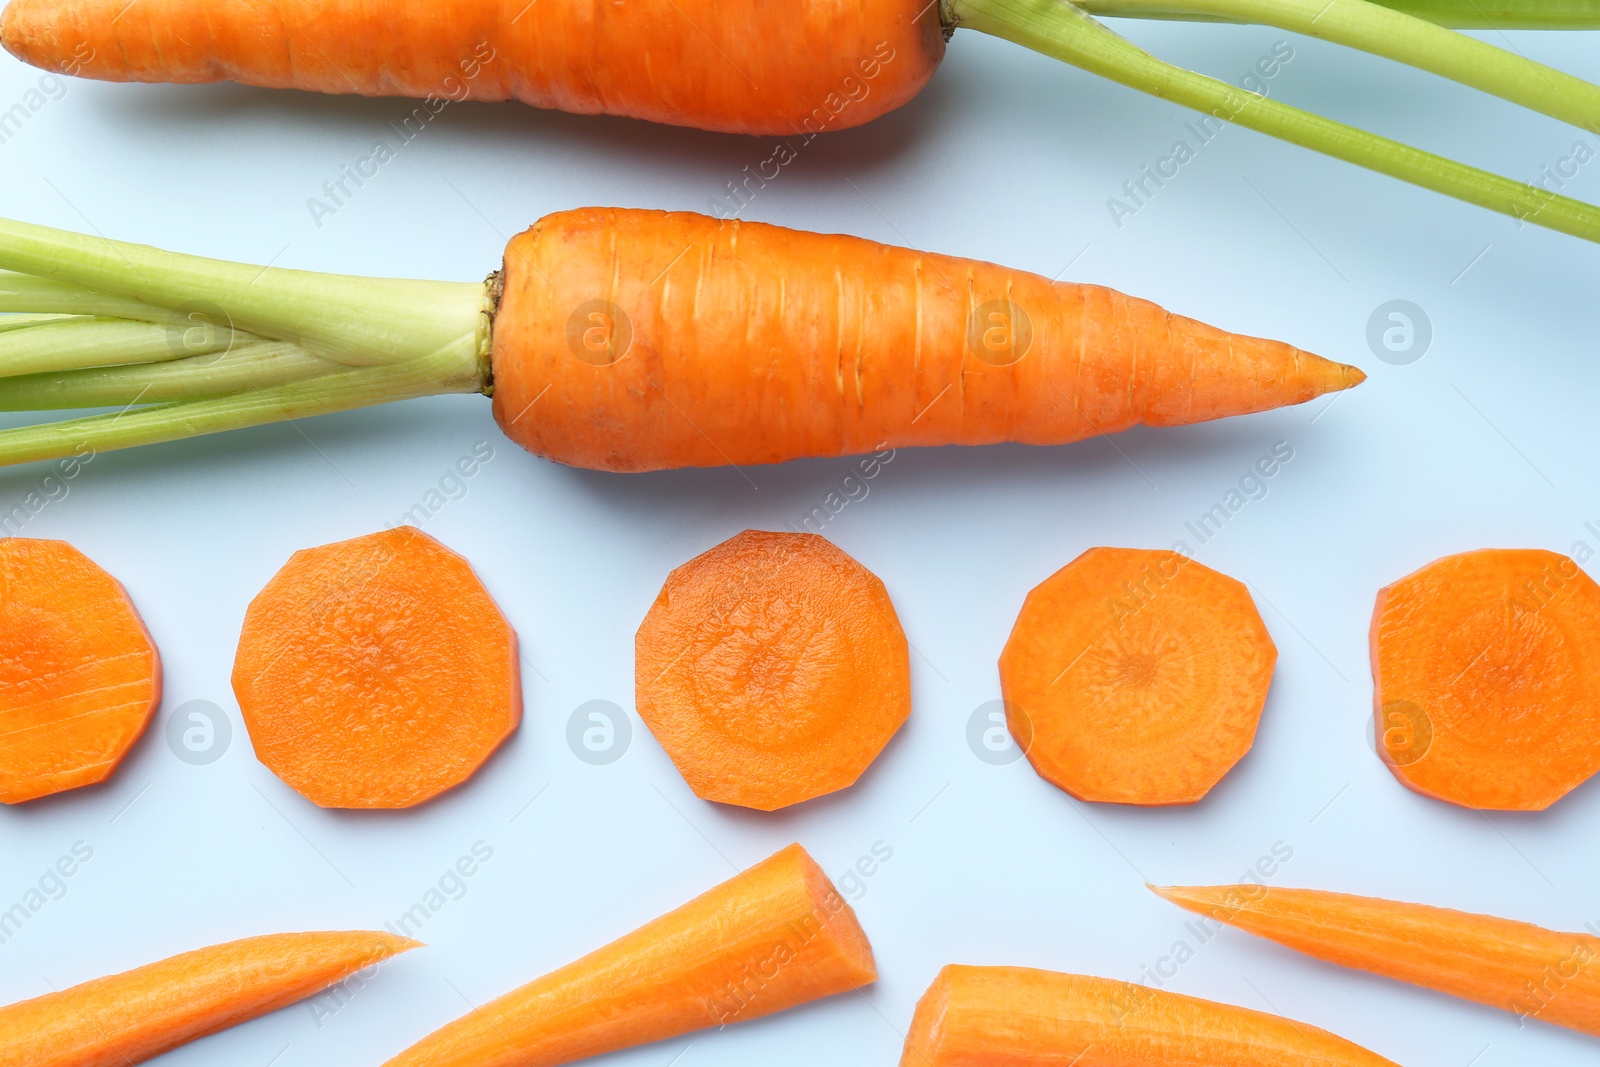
{"type": "Point", "coordinates": [130, 1017]}
{"type": "Point", "coordinates": [1522, 968]}
{"type": "Point", "coordinates": [773, 937]}
{"type": "Point", "coordinates": [792, 70]}
{"type": "Point", "coordinates": [79, 675]}
{"type": "Point", "coordinates": [1484, 666]}
{"type": "Point", "coordinates": [1015, 1016]}
{"type": "Point", "coordinates": [640, 340]}
{"type": "Point", "coordinates": [772, 669]}
{"type": "Point", "coordinates": [1136, 677]}
{"type": "Point", "coordinates": [376, 672]}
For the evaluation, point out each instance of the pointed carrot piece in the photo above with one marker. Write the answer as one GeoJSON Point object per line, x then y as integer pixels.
{"type": "Point", "coordinates": [79, 675]}
{"type": "Point", "coordinates": [770, 938]}
{"type": "Point", "coordinates": [130, 1017]}
{"type": "Point", "coordinates": [1536, 973]}
{"type": "Point", "coordinates": [1016, 1016]}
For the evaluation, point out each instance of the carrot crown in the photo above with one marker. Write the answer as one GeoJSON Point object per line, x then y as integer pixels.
{"type": "Point", "coordinates": [185, 345]}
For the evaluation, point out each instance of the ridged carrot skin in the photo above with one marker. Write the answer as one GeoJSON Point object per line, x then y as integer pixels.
{"type": "Point", "coordinates": [738, 66]}
{"type": "Point", "coordinates": [130, 1017]}
{"type": "Point", "coordinates": [1522, 968]}
{"type": "Point", "coordinates": [772, 937]}
{"type": "Point", "coordinates": [634, 340]}
{"type": "Point", "coordinates": [1022, 1017]}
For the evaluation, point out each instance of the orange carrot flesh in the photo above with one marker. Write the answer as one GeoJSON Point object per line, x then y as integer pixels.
{"type": "Point", "coordinates": [1485, 666]}
{"type": "Point", "coordinates": [1022, 1017]}
{"type": "Point", "coordinates": [79, 675]}
{"type": "Point", "coordinates": [376, 672]}
{"type": "Point", "coordinates": [130, 1017]}
{"type": "Point", "coordinates": [824, 66]}
{"type": "Point", "coordinates": [637, 340]}
{"type": "Point", "coordinates": [1136, 676]}
{"type": "Point", "coordinates": [773, 937]}
{"type": "Point", "coordinates": [772, 669]}
{"type": "Point", "coordinates": [1522, 968]}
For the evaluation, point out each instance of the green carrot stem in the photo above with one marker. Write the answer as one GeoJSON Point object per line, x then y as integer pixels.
{"type": "Point", "coordinates": [1504, 14]}
{"type": "Point", "coordinates": [438, 372]}
{"type": "Point", "coordinates": [1404, 38]}
{"type": "Point", "coordinates": [248, 365]}
{"type": "Point", "coordinates": [1058, 28]}
{"type": "Point", "coordinates": [24, 292]}
{"type": "Point", "coordinates": [378, 320]}
{"type": "Point", "coordinates": [1457, 14]}
{"type": "Point", "coordinates": [71, 343]}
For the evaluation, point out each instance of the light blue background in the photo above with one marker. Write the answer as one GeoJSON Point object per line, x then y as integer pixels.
{"type": "Point", "coordinates": [1487, 440]}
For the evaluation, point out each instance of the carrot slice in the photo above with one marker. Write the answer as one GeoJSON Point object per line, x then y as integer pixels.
{"type": "Point", "coordinates": [1485, 668]}
{"type": "Point", "coordinates": [1136, 676]}
{"type": "Point", "coordinates": [376, 672]}
{"type": "Point", "coordinates": [1522, 968]}
{"type": "Point", "coordinates": [130, 1017]}
{"type": "Point", "coordinates": [1023, 1017]}
{"type": "Point", "coordinates": [770, 938]}
{"type": "Point", "coordinates": [772, 669]}
{"type": "Point", "coordinates": [79, 675]}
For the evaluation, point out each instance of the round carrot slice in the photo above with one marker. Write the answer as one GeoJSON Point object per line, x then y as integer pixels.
{"type": "Point", "coordinates": [1136, 677]}
{"type": "Point", "coordinates": [1486, 672]}
{"type": "Point", "coordinates": [79, 675]}
{"type": "Point", "coordinates": [376, 672]}
{"type": "Point", "coordinates": [772, 669]}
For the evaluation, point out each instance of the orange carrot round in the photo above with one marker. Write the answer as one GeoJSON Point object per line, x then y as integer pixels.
{"type": "Point", "coordinates": [79, 675]}
{"type": "Point", "coordinates": [1022, 1017]}
{"type": "Point", "coordinates": [1136, 677]}
{"type": "Point", "coordinates": [376, 672]}
{"type": "Point", "coordinates": [130, 1017]}
{"type": "Point", "coordinates": [636, 340]}
{"type": "Point", "coordinates": [768, 939]}
{"type": "Point", "coordinates": [1485, 667]}
{"type": "Point", "coordinates": [1516, 966]}
{"type": "Point", "coordinates": [772, 669]}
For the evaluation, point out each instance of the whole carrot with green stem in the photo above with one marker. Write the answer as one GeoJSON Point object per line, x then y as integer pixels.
{"type": "Point", "coordinates": [751, 66]}
{"type": "Point", "coordinates": [623, 340]}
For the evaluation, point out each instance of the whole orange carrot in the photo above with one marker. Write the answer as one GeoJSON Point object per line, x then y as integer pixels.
{"type": "Point", "coordinates": [1023, 1017]}
{"type": "Point", "coordinates": [792, 70]}
{"type": "Point", "coordinates": [767, 939]}
{"type": "Point", "coordinates": [637, 340]}
{"type": "Point", "coordinates": [1522, 968]}
{"type": "Point", "coordinates": [130, 1017]}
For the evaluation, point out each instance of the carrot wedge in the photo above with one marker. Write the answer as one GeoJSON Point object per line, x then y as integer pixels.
{"type": "Point", "coordinates": [769, 938]}
{"type": "Point", "coordinates": [1015, 1016]}
{"type": "Point", "coordinates": [1536, 973]}
{"type": "Point", "coordinates": [130, 1017]}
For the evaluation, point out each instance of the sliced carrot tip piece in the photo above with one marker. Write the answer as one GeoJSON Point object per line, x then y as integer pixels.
{"type": "Point", "coordinates": [130, 1017]}
{"type": "Point", "coordinates": [376, 672]}
{"type": "Point", "coordinates": [1136, 677]}
{"type": "Point", "coordinates": [772, 937]}
{"type": "Point", "coordinates": [1485, 668]}
{"type": "Point", "coordinates": [1005, 1016]}
{"type": "Point", "coordinates": [79, 675]}
{"type": "Point", "coordinates": [772, 669]}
